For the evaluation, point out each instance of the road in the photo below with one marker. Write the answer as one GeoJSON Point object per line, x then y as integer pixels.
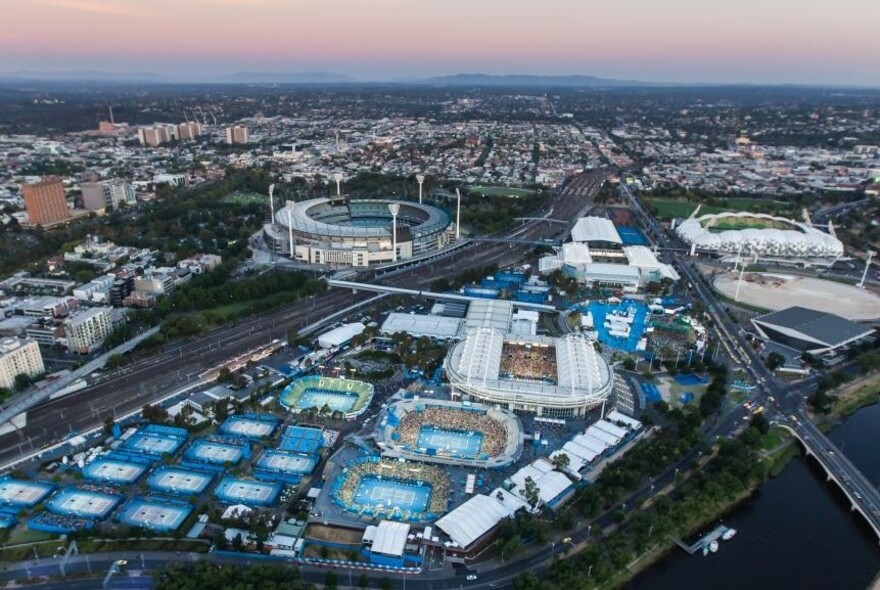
{"type": "Point", "coordinates": [180, 364]}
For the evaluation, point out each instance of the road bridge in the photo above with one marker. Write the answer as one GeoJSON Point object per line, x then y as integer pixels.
{"type": "Point", "coordinates": [861, 493]}
{"type": "Point", "coordinates": [544, 242]}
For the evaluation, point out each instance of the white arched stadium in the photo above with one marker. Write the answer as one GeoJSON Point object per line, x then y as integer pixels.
{"type": "Point", "coordinates": [555, 377]}
{"type": "Point", "coordinates": [760, 235]}
{"type": "Point", "coordinates": [357, 232]}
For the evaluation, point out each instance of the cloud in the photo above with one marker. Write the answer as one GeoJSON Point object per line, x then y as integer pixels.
{"type": "Point", "coordinates": [105, 7]}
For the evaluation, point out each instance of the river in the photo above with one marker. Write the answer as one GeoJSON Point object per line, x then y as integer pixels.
{"type": "Point", "coordinates": [795, 532]}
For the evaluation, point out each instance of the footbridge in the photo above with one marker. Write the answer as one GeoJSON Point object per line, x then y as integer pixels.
{"type": "Point", "coordinates": [428, 294]}
{"type": "Point", "coordinates": [859, 491]}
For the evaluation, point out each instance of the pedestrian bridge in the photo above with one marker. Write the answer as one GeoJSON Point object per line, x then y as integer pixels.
{"type": "Point", "coordinates": [861, 493]}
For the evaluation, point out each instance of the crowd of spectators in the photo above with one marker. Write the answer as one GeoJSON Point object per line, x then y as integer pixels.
{"type": "Point", "coordinates": [528, 362]}
{"type": "Point", "coordinates": [404, 472]}
{"type": "Point", "coordinates": [47, 520]}
{"type": "Point", "coordinates": [494, 435]}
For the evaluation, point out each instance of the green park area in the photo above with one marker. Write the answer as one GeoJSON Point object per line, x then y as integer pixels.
{"type": "Point", "coordinates": [245, 198]}
{"type": "Point", "coordinates": [670, 208]}
{"type": "Point", "coordinates": [502, 191]}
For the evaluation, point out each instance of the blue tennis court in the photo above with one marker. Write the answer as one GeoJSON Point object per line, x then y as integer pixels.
{"type": "Point", "coordinates": [463, 444]}
{"type": "Point", "coordinates": [631, 236]}
{"type": "Point", "coordinates": [690, 379]}
{"type": "Point", "coordinates": [373, 491]}
{"type": "Point", "coordinates": [652, 394]}
{"type": "Point", "coordinates": [155, 515]}
{"type": "Point", "coordinates": [318, 398]}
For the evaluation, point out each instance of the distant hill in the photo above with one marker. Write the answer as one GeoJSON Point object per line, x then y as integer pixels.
{"type": "Point", "coordinates": [574, 81]}
{"type": "Point", "coordinates": [288, 78]}
{"type": "Point", "coordinates": [82, 76]}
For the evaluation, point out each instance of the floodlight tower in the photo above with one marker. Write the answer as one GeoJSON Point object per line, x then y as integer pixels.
{"type": "Point", "coordinates": [289, 210]}
{"type": "Point", "coordinates": [338, 178]}
{"type": "Point", "coordinates": [420, 178]}
{"type": "Point", "coordinates": [871, 254]}
{"type": "Point", "coordinates": [272, 205]}
{"type": "Point", "coordinates": [458, 214]}
{"type": "Point", "coordinates": [395, 209]}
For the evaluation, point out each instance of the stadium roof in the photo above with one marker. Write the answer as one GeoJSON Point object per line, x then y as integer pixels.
{"type": "Point", "coordinates": [340, 335]}
{"type": "Point", "coordinates": [817, 330]}
{"type": "Point", "coordinates": [580, 372]}
{"type": "Point", "coordinates": [478, 516]}
{"type": "Point", "coordinates": [595, 229]}
{"type": "Point", "coordinates": [418, 325]}
{"type": "Point", "coordinates": [489, 313]}
{"type": "Point", "coordinates": [389, 537]}
{"type": "Point", "coordinates": [303, 216]}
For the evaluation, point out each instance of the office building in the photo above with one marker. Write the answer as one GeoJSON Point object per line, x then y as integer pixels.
{"type": "Point", "coordinates": [107, 193]}
{"type": "Point", "coordinates": [45, 201]}
{"type": "Point", "coordinates": [19, 357]}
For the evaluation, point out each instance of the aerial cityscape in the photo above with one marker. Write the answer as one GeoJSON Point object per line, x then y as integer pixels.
{"type": "Point", "coordinates": [467, 297]}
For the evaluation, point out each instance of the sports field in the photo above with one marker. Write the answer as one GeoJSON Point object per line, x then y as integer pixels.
{"type": "Point", "coordinates": [82, 503]}
{"type": "Point", "coordinates": [15, 492]}
{"type": "Point", "coordinates": [390, 493]}
{"type": "Point", "coordinates": [463, 444]}
{"type": "Point", "coordinates": [112, 471]}
{"type": "Point", "coordinates": [213, 452]}
{"type": "Point", "coordinates": [152, 444]}
{"type": "Point", "coordinates": [250, 493]}
{"type": "Point", "coordinates": [502, 191]}
{"type": "Point", "coordinates": [175, 480]}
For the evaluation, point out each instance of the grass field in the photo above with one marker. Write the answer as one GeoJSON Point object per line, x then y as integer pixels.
{"type": "Point", "coordinates": [501, 191]}
{"type": "Point", "coordinates": [245, 198]}
{"type": "Point", "coordinates": [667, 209]}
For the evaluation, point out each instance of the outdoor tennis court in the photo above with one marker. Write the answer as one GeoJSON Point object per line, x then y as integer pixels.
{"type": "Point", "coordinates": [250, 493]}
{"type": "Point", "coordinates": [15, 492]}
{"type": "Point", "coordinates": [465, 444]}
{"type": "Point", "coordinates": [214, 452]}
{"type": "Point", "coordinates": [113, 471]}
{"type": "Point", "coordinates": [155, 516]}
{"type": "Point", "coordinates": [82, 503]}
{"type": "Point", "coordinates": [631, 236]}
{"type": "Point", "coordinates": [152, 444]}
{"type": "Point", "coordinates": [285, 462]}
{"type": "Point", "coordinates": [639, 324]}
{"type": "Point", "coordinates": [318, 398]}
{"type": "Point", "coordinates": [373, 491]}
{"type": "Point", "coordinates": [179, 481]}
{"type": "Point", "coordinates": [249, 427]}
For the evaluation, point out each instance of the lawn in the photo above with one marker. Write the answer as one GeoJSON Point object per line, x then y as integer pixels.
{"type": "Point", "coordinates": [502, 191]}
{"type": "Point", "coordinates": [667, 209]}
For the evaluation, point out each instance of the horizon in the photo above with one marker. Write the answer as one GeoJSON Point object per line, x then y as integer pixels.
{"type": "Point", "coordinates": [689, 44]}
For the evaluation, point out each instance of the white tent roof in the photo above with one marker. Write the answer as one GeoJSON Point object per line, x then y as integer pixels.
{"type": "Point", "coordinates": [340, 335]}
{"type": "Point", "coordinates": [422, 325]}
{"type": "Point", "coordinates": [390, 538]}
{"type": "Point", "coordinates": [477, 516]}
{"type": "Point", "coordinates": [615, 416]}
{"type": "Point", "coordinates": [595, 229]}
{"type": "Point", "coordinates": [610, 428]}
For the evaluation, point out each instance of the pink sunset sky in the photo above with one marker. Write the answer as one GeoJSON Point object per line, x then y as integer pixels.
{"type": "Point", "coordinates": [759, 41]}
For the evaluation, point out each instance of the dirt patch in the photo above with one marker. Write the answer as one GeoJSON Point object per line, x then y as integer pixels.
{"type": "Point", "coordinates": [334, 534]}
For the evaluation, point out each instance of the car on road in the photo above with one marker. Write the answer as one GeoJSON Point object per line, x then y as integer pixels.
{"type": "Point", "coordinates": [471, 577]}
{"type": "Point", "coordinates": [566, 540]}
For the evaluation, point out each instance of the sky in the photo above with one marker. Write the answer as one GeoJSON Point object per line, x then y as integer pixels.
{"type": "Point", "coordinates": [702, 41]}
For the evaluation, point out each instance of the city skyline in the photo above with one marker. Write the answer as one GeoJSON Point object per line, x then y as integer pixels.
{"type": "Point", "coordinates": [775, 42]}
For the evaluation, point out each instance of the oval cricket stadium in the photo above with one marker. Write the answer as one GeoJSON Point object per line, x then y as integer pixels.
{"type": "Point", "coordinates": [453, 433]}
{"type": "Point", "coordinates": [554, 377]}
{"type": "Point", "coordinates": [357, 232]}
{"type": "Point", "coordinates": [759, 235]}
{"type": "Point", "coordinates": [348, 396]}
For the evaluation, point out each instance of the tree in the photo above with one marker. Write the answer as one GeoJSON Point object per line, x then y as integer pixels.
{"type": "Point", "coordinates": [22, 381]}
{"type": "Point", "coordinates": [363, 581]}
{"type": "Point", "coordinates": [108, 424]}
{"type": "Point", "coordinates": [532, 492]}
{"type": "Point", "coordinates": [386, 584]}
{"type": "Point", "coordinates": [561, 462]}
{"type": "Point", "coordinates": [237, 542]}
{"type": "Point", "coordinates": [292, 336]}
{"type": "Point", "coordinates": [331, 580]}
{"type": "Point", "coordinates": [775, 360]}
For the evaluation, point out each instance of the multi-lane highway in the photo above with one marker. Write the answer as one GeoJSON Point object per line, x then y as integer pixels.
{"type": "Point", "coordinates": [180, 364]}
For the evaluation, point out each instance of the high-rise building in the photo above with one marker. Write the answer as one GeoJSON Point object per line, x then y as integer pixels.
{"type": "Point", "coordinates": [87, 330]}
{"type": "Point", "coordinates": [237, 134]}
{"type": "Point", "coordinates": [19, 357]}
{"type": "Point", "coordinates": [45, 201]}
{"type": "Point", "coordinates": [163, 133]}
{"type": "Point", "coordinates": [107, 193]}
{"type": "Point", "coordinates": [188, 131]}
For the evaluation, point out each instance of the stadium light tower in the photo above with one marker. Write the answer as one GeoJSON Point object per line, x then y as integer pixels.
{"type": "Point", "coordinates": [871, 254]}
{"type": "Point", "coordinates": [289, 210]}
{"type": "Point", "coordinates": [395, 209]}
{"type": "Point", "coordinates": [338, 178]}
{"type": "Point", "coordinates": [420, 178]}
{"type": "Point", "coordinates": [272, 205]}
{"type": "Point", "coordinates": [458, 214]}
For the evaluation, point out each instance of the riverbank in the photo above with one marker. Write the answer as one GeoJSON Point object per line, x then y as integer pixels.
{"type": "Point", "coordinates": [856, 395]}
